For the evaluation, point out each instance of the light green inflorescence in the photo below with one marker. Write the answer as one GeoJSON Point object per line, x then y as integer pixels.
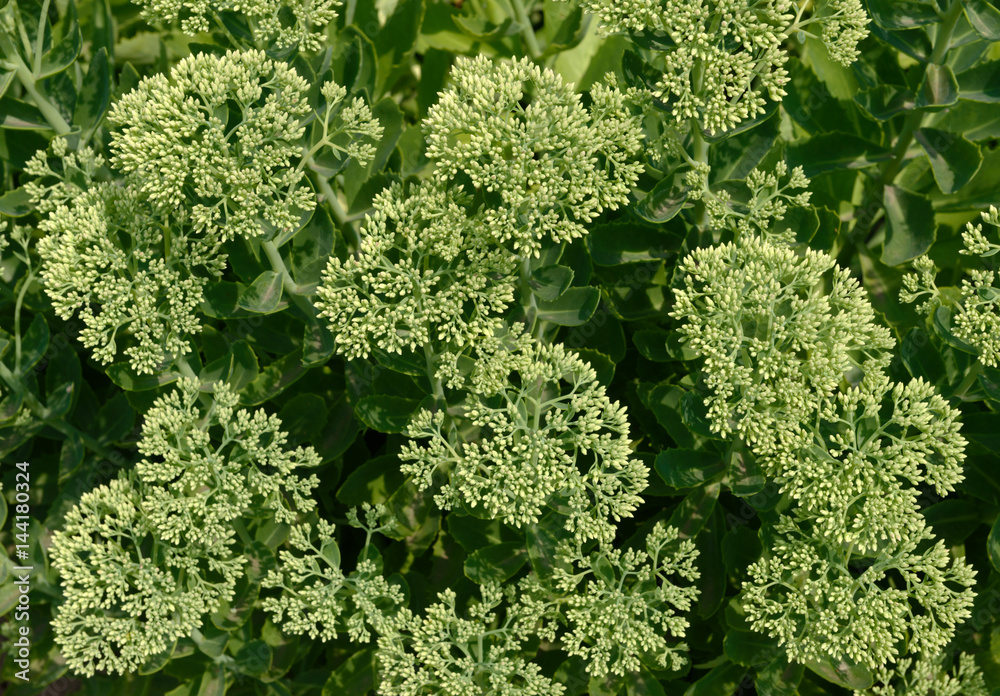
{"type": "Point", "coordinates": [144, 559]}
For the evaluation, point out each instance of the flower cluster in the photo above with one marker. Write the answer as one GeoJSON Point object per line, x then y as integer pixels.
{"type": "Point", "coordinates": [423, 273]}
{"type": "Point", "coordinates": [281, 23]}
{"type": "Point", "coordinates": [220, 134]}
{"type": "Point", "coordinates": [874, 445]}
{"type": "Point", "coordinates": [108, 257]}
{"type": "Point", "coordinates": [771, 344]}
{"type": "Point", "coordinates": [316, 591]}
{"type": "Point", "coordinates": [928, 675]}
{"type": "Point", "coordinates": [821, 600]}
{"type": "Point", "coordinates": [142, 560]}
{"type": "Point", "coordinates": [519, 138]}
{"type": "Point", "coordinates": [769, 200]}
{"type": "Point", "coordinates": [450, 655]}
{"type": "Point", "coordinates": [721, 61]}
{"type": "Point", "coordinates": [976, 318]}
{"type": "Point", "coordinates": [618, 606]}
{"type": "Point", "coordinates": [550, 432]}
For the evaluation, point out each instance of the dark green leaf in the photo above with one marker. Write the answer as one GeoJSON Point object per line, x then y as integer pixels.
{"type": "Point", "coordinates": [542, 539]}
{"type": "Point", "coordinates": [910, 231]}
{"type": "Point", "coordinates": [18, 115]}
{"type": "Point", "coordinates": [885, 101]}
{"type": "Point", "coordinates": [356, 675]}
{"type": "Point", "coordinates": [750, 649]}
{"type": "Point", "coordinates": [901, 14]}
{"type": "Point", "coordinates": [264, 294]}
{"type": "Point", "coordinates": [372, 482]}
{"type": "Point", "coordinates": [842, 673]}
{"type": "Point", "coordinates": [16, 203]}
{"type": "Point", "coordinates": [550, 282]}
{"type": "Point", "coordinates": [663, 202]}
{"type": "Point", "coordinates": [616, 244]}
{"type": "Point", "coordinates": [989, 380]}
{"type": "Point", "coordinates": [498, 562]}
{"type": "Point", "coordinates": [993, 545]}
{"type": "Point", "coordinates": [95, 96]}
{"type": "Point", "coordinates": [685, 468]}
{"type": "Point", "coordinates": [722, 679]}
{"type": "Point", "coordinates": [832, 151]}
{"type": "Point", "coordinates": [984, 18]}
{"type": "Point", "coordinates": [953, 520]}
{"type": "Point", "coordinates": [67, 41]}
{"type": "Point", "coordinates": [213, 682]}
{"type": "Point", "coordinates": [938, 89]}
{"type": "Point", "coordinates": [745, 475]}
{"type": "Point", "coordinates": [125, 377]}
{"type": "Point", "coordinates": [387, 414]}
{"type": "Point", "coordinates": [34, 343]}
{"type": "Point", "coordinates": [274, 379]}
{"type": "Point", "coordinates": [573, 308]}
{"type": "Point", "coordinates": [740, 547]}
{"type": "Point", "coordinates": [954, 160]}
{"type": "Point", "coordinates": [780, 678]}
{"type": "Point", "coordinates": [981, 83]}
{"type": "Point", "coordinates": [695, 510]}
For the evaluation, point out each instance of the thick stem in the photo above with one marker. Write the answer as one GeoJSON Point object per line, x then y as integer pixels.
{"type": "Point", "coordinates": [37, 92]}
{"type": "Point", "coordinates": [970, 380]}
{"type": "Point", "coordinates": [527, 32]}
{"type": "Point", "coordinates": [339, 214]}
{"type": "Point", "coordinates": [278, 264]}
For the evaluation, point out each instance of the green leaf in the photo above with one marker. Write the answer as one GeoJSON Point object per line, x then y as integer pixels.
{"type": "Point", "coordinates": [550, 282]}
{"type": "Point", "coordinates": [387, 414]}
{"type": "Point", "coordinates": [695, 510]}
{"type": "Point", "coordinates": [34, 343]}
{"type": "Point", "coordinates": [954, 160]}
{"type": "Point", "coordinates": [573, 308]}
{"type": "Point", "coordinates": [980, 83]}
{"type": "Point", "coordinates": [685, 468]}
{"type": "Point", "coordinates": [213, 682]}
{"type": "Point", "coordinates": [125, 377]}
{"type": "Point", "coordinates": [842, 673]}
{"type": "Point", "coordinates": [993, 545]}
{"type": "Point", "coordinates": [938, 88]}
{"type": "Point", "coordinates": [498, 562]}
{"type": "Point", "coordinates": [16, 203]}
{"type": "Point", "coordinates": [835, 151]}
{"type": "Point", "coordinates": [542, 539]}
{"type": "Point", "coordinates": [95, 96]}
{"type": "Point", "coordinates": [989, 380]}
{"type": "Point", "coordinates": [18, 115]}
{"type": "Point", "coordinates": [67, 41]}
{"type": "Point", "coordinates": [901, 14]}
{"type": "Point", "coordinates": [885, 101]}
{"type": "Point", "coordinates": [750, 649]}
{"type": "Point", "coordinates": [984, 18]}
{"type": "Point", "coordinates": [722, 679]}
{"type": "Point", "coordinates": [617, 244]}
{"type": "Point", "coordinates": [745, 475]}
{"type": "Point", "coordinates": [953, 520]}
{"type": "Point", "coordinates": [740, 547]}
{"type": "Point", "coordinates": [372, 482]}
{"type": "Point", "coordinates": [910, 229]}
{"type": "Point", "coordinates": [254, 658]}
{"type": "Point", "coordinates": [780, 678]}
{"type": "Point", "coordinates": [356, 675]}
{"type": "Point", "coordinates": [663, 202]}
{"type": "Point", "coordinates": [274, 379]}
{"type": "Point", "coordinates": [264, 294]}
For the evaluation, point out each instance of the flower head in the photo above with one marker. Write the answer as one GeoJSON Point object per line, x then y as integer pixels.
{"type": "Point", "coordinates": [519, 138]}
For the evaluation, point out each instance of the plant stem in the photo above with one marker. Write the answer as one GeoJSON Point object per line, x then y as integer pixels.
{"type": "Point", "coordinates": [970, 380]}
{"type": "Point", "coordinates": [184, 367]}
{"type": "Point", "coordinates": [37, 92]}
{"type": "Point", "coordinates": [40, 40]}
{"type": "Point", "coordinates": [278, 264]}
{"type": "Point", "coordinates": [527, 31]}
{"type": "Point", "coordinates": [339, 214]}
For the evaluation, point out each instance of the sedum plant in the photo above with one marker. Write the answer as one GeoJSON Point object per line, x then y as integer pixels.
{"type": "Point", "coordinates": [549, 433]}
{"type": "Point", "coordinates": [544, 165]}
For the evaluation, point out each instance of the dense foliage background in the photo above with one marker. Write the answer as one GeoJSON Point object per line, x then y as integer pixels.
{"type": "Point", "coordinates": [549, 382]}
